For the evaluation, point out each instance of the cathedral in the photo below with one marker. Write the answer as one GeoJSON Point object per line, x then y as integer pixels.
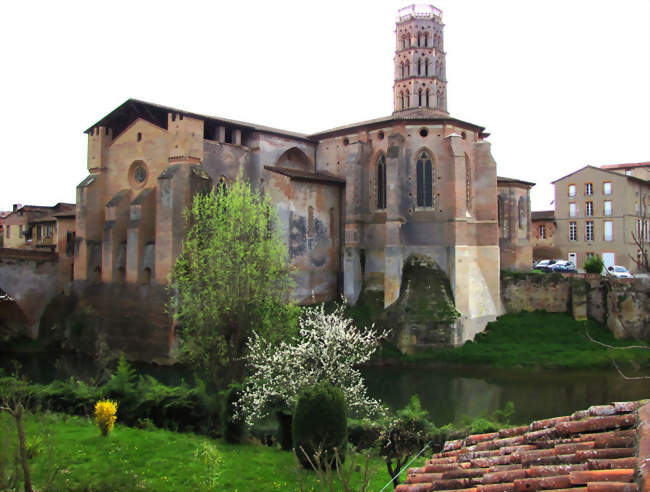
{"type": "Point", "coordinates": [354, 202]}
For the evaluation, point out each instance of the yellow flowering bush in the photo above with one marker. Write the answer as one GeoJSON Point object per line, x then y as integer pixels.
{"type": "Point", "coordinates": [105, 411]}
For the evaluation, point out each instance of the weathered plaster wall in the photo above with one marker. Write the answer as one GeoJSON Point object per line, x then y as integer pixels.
{"type": "Point", "coordinates": [623, 304]}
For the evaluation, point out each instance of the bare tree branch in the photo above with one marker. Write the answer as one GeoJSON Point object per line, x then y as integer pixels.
{"type": "Point", "coordinates": [625, 347]}
{"type": "Point", "coordinates": [627, 377]}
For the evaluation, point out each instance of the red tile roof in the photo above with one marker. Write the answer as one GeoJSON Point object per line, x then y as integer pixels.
{"type": "Point", "coordinates": [625, 166]}
{"type": "Point", "coordinates": [603, 448]}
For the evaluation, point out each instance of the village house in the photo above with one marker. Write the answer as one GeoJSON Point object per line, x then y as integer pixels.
{"type": "Point", "coordinates": [601, 210]}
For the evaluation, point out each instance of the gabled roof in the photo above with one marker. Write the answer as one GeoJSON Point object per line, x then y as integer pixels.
{"type": "Point", "coordinates": [604, 448]}
{"type": "Point", "coordinates": [414, 116]}
{"type": "Point", "coordinates": [122, 116]}
{"type": "Point", "coordinates": [632, 178]}
{"type": "Point", "coordinates": [625, 166]}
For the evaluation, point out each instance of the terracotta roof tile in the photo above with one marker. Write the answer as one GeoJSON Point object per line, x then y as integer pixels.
{"type": "Point", "coordinates": [584, 477]}
{"type": "Point", "coordinates": [595, 423]}
{"type": "Point", "coordinates": [544, 424]}
{"type": "Point", "coordinates": [608, 464]}
{"type": "Point", "coordinates": [591, 450]}
{"type": "Point", "coordinates": [497, 487]}
{"type": "Point", "coordinates": [514, 431]}
{"type": "Point", "coordinates": [611, 487]}
{"type": "Point", "coordinates": [557, 482]}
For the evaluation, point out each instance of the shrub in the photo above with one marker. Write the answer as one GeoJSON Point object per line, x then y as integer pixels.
{"type": "Point", "coordinates": [320, 424]}
{"type": "Point", "coordinates": [233, 428]}
{"type": "Point", "coordinates": [403, 435]}
{"type": "Point", "coordinates": [210, 457]}
{"type": "Point", "coordinates": [363, 433]}
{"type": "Point", "coordinates": [105, 415]}
{"type": "Point", "coordinates": [593, 264]}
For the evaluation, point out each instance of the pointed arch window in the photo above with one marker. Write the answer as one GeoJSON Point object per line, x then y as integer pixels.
{"type": "Point", "coordinates": [407, 99]}
{"type": "Point", "coordinates": [381, 182]}
{"type": "Point", "coordinates": [401, 99]}
{"type": "Point", "coordinates": [408, 69]}
{"type": "Point", "coordinates": [419, 39]}
{"type": "Point", "coordinates": [401, 67]}
{"type": "Point", "coordinates": [426, 67]}
{"type": "Point", "coordinates": [427, 97]}
{"type": "Point", "coordinates": [424, 174]}
{"type": "Point", "coordinates": [420, 98]}
{"type": "Point", "coordinates": [419, 66]}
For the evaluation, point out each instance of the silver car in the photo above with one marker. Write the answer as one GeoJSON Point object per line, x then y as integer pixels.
{"type": "Point", "coordinates": [618, 271]}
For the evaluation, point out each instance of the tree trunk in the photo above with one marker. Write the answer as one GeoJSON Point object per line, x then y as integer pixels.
{"type": "Point", "coordinates": [18, 415]}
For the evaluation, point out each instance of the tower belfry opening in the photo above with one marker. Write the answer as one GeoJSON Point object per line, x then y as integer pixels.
{"type": "Point", "coordinates": [419, 48]}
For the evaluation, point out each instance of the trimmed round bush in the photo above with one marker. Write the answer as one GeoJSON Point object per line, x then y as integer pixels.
{"type": "Point", "coordinates": [233, 430]}
{"type": "Point", "coordinates": [593, 264]}
{"type": "Point", "coordinates": [320, 425]}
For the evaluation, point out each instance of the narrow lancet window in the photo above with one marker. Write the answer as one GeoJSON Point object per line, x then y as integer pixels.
{"type": "Point", "coordinates": [381, 182]}
{"type": "Point", "coordinates": [424, 170]}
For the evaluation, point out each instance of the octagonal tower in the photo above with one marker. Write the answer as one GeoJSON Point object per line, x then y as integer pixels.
{"type": "Point", "coordinates": [420, 81]}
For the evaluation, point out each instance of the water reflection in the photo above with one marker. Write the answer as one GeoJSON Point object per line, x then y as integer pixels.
{"type": "Point", "coordinates": [449, 393]}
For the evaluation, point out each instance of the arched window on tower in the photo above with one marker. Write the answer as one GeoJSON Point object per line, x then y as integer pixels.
{"type": "Point", "coordinates": [426, 67]}
{"type": "Point", "coordinates": [407, 99]}
{"type": "Point", "coordinates": [419, 40]}
{"type": "Point", "coordinates": [401, 69]}
{"type": "Point", "coordinates": [426, 39]}
{"type": "Point", "coordinates": [381, 182]}
{"type": "Point", "coordinates": [427, 98]}
{"type": "Point", "coordinates": [408, 69]}
{"type": "Point", "coordinates": [424, 175]}
{"type": "Point", "coordinates": [419, 66]}
{"type": "Point", "coordinates": [420, 98]}
{"type": "Point", "coordinates": [401, 100]}
{"type": "Point", "coordinates": [403, 42]}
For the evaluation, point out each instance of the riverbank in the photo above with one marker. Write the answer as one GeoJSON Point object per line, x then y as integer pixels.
{"type": "Point", "coordinates": [532, 340]}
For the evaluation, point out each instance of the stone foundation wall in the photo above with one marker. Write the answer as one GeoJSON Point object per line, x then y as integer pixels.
{"type": "Point", "coordinates": [623, 304]}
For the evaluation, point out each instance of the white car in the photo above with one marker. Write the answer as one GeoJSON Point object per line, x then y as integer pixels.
{"type": "Point", "coordinates": [618, 271]}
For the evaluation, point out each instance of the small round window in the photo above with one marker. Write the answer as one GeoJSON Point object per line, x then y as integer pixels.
{"type": "Point", "coordinates": [138, 174]}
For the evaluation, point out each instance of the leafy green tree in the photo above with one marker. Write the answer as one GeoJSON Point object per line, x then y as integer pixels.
{"type": "Point", "coordinates": [232, 277]}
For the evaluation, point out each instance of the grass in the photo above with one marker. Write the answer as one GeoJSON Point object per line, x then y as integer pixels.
{"type": "Point", "coordinates": [156, 460]}
{"type": "Point", "coordinates": [535, 339]}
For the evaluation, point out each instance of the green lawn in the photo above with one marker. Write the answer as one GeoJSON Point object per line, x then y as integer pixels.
{"type": "Point", "coordinates": [157, 460]}
{"type": "Point", "coordinates": [537, 339]}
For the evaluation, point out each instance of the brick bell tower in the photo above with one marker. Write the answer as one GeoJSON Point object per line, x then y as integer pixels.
{"type": "Point", "coordinates": [420, 82]}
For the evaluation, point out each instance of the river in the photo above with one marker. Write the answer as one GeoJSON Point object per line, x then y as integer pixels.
{"type": "Point", "coordinates": [446, 392]}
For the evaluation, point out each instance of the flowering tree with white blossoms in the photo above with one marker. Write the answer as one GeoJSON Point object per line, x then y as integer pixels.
{"type": "Point", "coordinates": [328, 348]}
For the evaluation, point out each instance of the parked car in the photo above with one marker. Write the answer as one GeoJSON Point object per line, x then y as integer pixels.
{"type": "Point", "coordinates": [544, 265]}
{"type": "Point", "coordinates": [562, 266]}
{"type": "Point", "coordinates": [618, 271]}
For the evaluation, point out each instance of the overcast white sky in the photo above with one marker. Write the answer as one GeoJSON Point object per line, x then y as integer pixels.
{"type": "Point", "coordinates": [559, 84]}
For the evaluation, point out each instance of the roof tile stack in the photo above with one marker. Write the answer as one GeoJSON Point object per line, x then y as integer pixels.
{"type": "Point", "coordinates": [604, 448]}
